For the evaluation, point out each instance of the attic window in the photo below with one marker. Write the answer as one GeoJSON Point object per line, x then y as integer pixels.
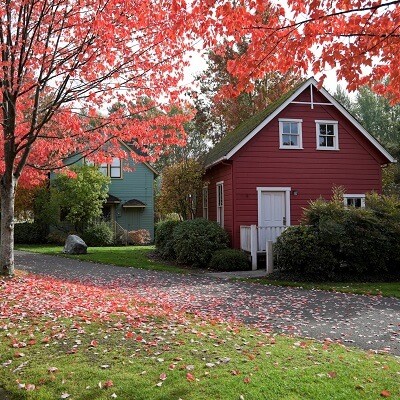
{"type": "Point", "coordinates": [290, 134]}
{"type": "Point", "coordinates": [327, 135]}
{"type": "Point", "coordinates": [114, 170]}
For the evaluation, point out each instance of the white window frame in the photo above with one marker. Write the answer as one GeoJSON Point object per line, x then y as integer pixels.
{"type": "Point", "coordinates": [354, 196]}
{"type": "Point", "coordinates": [300, 134]}
{"type": "Point", "coordinates": [220, 203]}
{"type": "Point", "coordinates": [335, 124]}
{"type": "Point", "coordinates": [205, 202]}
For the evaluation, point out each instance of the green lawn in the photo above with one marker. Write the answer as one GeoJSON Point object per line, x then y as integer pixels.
{"type": "Point", "coordinates": [65, 340]}
{"type": "Point", "coordinates": [124, 256]}
{"type": "Point", "coordinates": [388, 289]}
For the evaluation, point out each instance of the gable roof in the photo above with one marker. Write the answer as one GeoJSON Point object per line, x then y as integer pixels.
{"type": "Point", "coordinates": [131, 147]}
{"type": "Point", "coordinates": [236, 139]}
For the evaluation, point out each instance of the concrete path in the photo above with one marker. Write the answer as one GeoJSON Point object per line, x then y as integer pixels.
{"type": "Point", "coordinates": [362, 321]}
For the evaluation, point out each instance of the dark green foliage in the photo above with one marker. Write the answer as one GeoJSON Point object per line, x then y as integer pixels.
{"type": "Point", "coordinates": [99, 234]}
{"type": "Point", "coordinates": [30, 233]}
{"type": "Point", "coordinates": [57, 237]}
{"type": "Point", "coordinates": [342, 243]}
{"type": "Point", "coordinates": [229, 260]}
{"type": "Point", "coordinates": [164, 239]}
{"type": "Point", "coordinates": [196, 240]}
{"type": "Point", "coordinates": [301, 250]}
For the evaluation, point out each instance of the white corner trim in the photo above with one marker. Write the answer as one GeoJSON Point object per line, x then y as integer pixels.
{"type": "Point", "coordinates": [287, 191]}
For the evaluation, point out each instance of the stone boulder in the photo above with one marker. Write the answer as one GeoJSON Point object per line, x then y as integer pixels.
{"type": "Point", "coordinates": [75, 245]}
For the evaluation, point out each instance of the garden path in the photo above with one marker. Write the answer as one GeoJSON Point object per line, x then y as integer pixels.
{"type": "Point", "coordinates": [368, 322]}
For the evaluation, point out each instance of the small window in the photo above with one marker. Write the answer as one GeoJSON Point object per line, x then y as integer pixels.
{"type": "Point", "coordinates": [354, 200]}
{"type": "Point", "coordinates": [205, 202]}
{"type": "Point", "coordinates": [104, 169]}
{"type": "Point", "coordinates": [115, 168]}
{"type": "Point", "coordinates": [327, 135]}
{"type": "Point", "coordinates": [220, 203]}
{"type": "Point", "coordinates": [290, 134]}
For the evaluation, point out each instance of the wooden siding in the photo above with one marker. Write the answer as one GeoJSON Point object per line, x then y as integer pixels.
{"type": "Point", "coordinates": [221, 172]}
{"type": "Point", "coordinates": [310, 172]}
{"type": "Point", "coordinates": [135, 184]}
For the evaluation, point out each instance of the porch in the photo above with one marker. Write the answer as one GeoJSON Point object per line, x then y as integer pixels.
{"type": "Point", "coordinates": [259, 240]}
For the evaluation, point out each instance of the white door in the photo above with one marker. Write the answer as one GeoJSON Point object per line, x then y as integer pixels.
{"type": "Point", "coordinates": [272, 209]}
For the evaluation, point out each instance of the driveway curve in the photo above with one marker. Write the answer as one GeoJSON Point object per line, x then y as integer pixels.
{"type": "Point", "coordinates": [368, 322]}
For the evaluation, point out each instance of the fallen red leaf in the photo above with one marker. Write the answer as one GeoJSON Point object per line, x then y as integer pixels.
{"type": "Point", "coordinates": [385, 393]}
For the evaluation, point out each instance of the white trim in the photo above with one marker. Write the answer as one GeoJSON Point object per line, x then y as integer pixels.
{"type": "Point", "coordinates": [335, 124]}
{"type": "Point", "coordinates": [220, 217]}
{"type": "Point", "coordinates": [356, 124]}
{"type": "Point", "coordinates": [287, 191]}
{"type": "Point", "coordinates": [300, 134]}
{"type": "Point", "coordinates": [310, 81]}
{"type": "Point", "coordinates": [354, 196]}
{"type": "Point", "coordinates": [205, 209]}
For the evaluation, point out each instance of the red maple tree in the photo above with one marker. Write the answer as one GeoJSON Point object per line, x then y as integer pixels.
{"type": "Point", "coordinates": [359, 39]}
{"type": "Point", "coordinates": [59, 57]}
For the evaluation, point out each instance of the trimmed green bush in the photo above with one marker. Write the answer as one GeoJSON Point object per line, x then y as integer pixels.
{"type": "Point", "coordinates": [342, 243]}
{"type": "Point", "coordinates": [30, 233]}
{"type": "Point", "coordinates": [300, 251]}
{"type": "Point", "coordinates": [164, 239]}
{"type": "Point", "coordinates": [196, 240]}
{"type": "Point", "coordinates": [229, 260]}
{"type": "Point", "coordinates": [98, 235]}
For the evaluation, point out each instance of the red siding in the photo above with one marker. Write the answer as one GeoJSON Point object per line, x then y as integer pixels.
{"type": "Point", "coordinates": [221, 173]}
{"type": "Point", "coordinates": [312, 173]}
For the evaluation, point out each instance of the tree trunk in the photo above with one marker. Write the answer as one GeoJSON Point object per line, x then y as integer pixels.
{"type": "Point", "coordinates": [7, 193]}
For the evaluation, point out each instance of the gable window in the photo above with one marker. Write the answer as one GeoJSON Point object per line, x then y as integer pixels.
{"type": "Point", "coordinates": [205, 202]}
{"type": "Point", "coordinates": [290, 134]}
{"type": "Point", "coordinates": [327, 135]}
{"type": "Point", "coordinates": [220, 203]}
{"type": "Point", "coordinates": [114, 170]}
{"type": "Point", "coordinates": [354, 200]}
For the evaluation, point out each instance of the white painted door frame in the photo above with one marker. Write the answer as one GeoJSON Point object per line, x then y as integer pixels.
{"type": "Point", "coordinates": [286, 190]}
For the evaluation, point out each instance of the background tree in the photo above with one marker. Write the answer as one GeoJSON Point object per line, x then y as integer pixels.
{"type": "Point", "coordinates": [216, 115]}
{"type": "Point", "coordinates": [58, 56]}
{"type": "Point", "coordinates": [382, 120]}
{"type": "Point", "coordinates": [180, 188]}
{"type": "Point", "coordinates": [80, 198]}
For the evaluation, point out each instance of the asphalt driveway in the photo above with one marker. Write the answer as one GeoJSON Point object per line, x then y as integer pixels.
{"type": "Point", "coordinates": [369, 322]}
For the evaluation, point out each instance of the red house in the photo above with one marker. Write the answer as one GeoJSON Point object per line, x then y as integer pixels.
{"type": "Point", "coordinates": [261, 175]}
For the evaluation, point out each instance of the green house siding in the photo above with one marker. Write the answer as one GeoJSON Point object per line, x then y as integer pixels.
{"type": "Point", "coordinates": [136, 184]}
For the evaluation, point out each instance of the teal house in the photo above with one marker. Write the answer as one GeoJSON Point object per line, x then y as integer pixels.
{"type": "Point", "coordinates": [130, 202]}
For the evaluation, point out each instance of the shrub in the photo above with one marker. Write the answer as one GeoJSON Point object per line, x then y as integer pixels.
{"type": "Point", "coordinates": [300, 251]}
{"type": "Point", "coordinates": [229, 260]}
{"type": "Point", "coordinates": [164, 239]}
{"type": "Point", "coordinates": [98, 235]}
{"type": "Point", "coordinates": [344, 243]}
{"type": "Point", "coordinates": [57, 237]}
{"type": "Point", "coordinates": [30, 233]}
{"type": "Point", "coordinates": [139, 237]}
{"type": "Point", "coordinates": [196, 240]}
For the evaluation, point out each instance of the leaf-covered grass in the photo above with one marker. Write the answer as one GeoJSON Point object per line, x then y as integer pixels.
{"type": "Point", "coordinates": [387, 289]}
{"type": "Point", "coordinates": [65, 340]}
{"type": "Point", "coordinates": [123, 256]}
